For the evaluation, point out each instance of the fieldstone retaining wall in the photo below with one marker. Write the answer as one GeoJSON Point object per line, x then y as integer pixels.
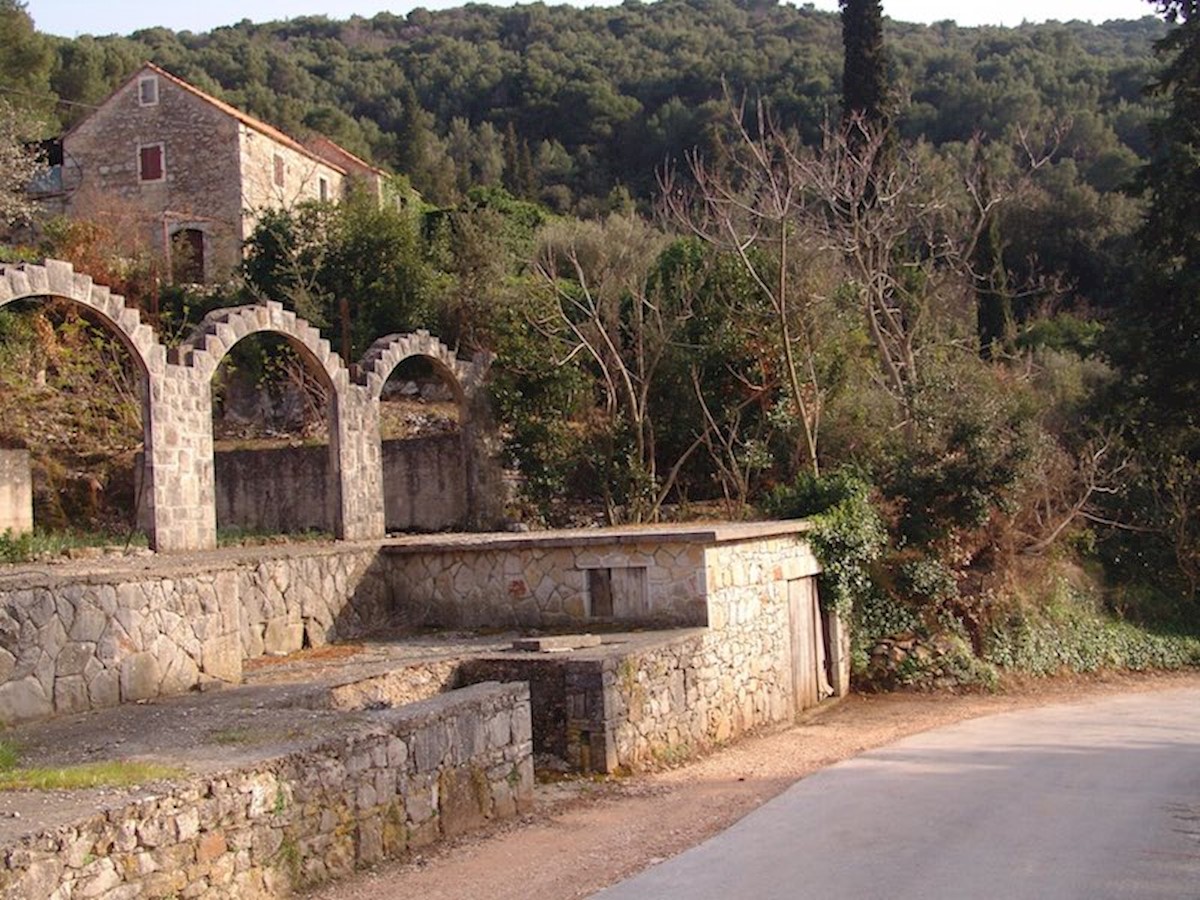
{"type": "Point", "coordinates": [87, 635]}
{"type": "Point", "coordinates": [74, 638]}
{"type": "Point", "coordinates": [648, 577]}
{"type": "Point", "coordinates": [16, 492]}
{"type": "Point", "coordinates": [434, 769]}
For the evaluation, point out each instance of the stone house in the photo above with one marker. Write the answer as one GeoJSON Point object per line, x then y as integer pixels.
{"type": "Point", "coordinates": [193, 174]}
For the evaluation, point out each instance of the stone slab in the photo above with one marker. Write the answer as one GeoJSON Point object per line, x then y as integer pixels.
{"type": "Point", "coordinates": [557, 643]}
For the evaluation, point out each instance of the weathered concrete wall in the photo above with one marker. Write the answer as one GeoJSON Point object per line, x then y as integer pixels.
{"type": "Point", "coordinates": [16, 492]}
{"type": "Point", "coordinates": [286, 489]}
{"type": "Point", "coordinates": [74, 640]}
{"type": "Point", "coordinates": [425, 484]}
{"type": "Point", "coordinates": [277, 490]}
{"type": "Point", "coordinates": [434, 769]}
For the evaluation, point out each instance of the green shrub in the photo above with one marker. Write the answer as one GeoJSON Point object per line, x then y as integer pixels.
{"type": "Point", "coordinates": [847, 533]}
{"type": "Point", "coordinates": [1082, 639]}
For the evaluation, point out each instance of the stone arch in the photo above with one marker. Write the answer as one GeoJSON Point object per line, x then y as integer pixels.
{"type": "Point", "coordinates": [388, 352]}
{"type": "Point", "coordinates": [396, 504]}
{"type": "Point", "coordinates": [208, 345]}
{"type": "Point", "coordinates": [56, 278]}
{"type": "Point", "coordinates": [222, 328]}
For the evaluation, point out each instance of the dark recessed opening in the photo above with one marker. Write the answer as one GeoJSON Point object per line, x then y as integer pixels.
{"type": "Point", "coordinates": [600, 593]}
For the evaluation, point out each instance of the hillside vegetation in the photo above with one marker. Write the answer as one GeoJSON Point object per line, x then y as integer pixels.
{"type": "Point", "coordinates": [955, 322]}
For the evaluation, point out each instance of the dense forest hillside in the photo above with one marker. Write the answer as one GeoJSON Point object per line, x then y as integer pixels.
{"type": "Point", "coordinates": [565, 103]}
{"type": "Point", "coordinates": [954, 325]}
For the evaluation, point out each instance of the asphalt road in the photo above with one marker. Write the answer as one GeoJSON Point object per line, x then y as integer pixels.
{"type": "Point", "coordinates": [1092, 801]}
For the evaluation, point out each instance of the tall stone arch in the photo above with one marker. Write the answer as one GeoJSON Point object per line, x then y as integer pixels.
{"type": "Point", "coordinates": [201, 354]}
{"type": "Point", "coordinates": [464, 378]}
{"type": "Point", "coordinates": [55, 278]}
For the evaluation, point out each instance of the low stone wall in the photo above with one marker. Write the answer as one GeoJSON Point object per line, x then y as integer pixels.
{"type": "Point", "coordinates": [93, 634]}
{"type": "Point", "coordinates": [434, 769]}
{"type": "Point", "coordinates": [288, 489]}
{"type": "Point", "coordinates": [16, 492]}
{"type": "Point", "coordinates": [555, 579]}
{"type": "Point", "coordinates": [75, 638]}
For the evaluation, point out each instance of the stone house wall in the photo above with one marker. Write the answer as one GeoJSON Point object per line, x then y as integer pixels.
{"type": "Point", "coordinates": [301, 172]}
{"type": "Point", "coordinates": [199, 189]}
{"type": "Point", "coordinates": [434, 769]}
{"type": "Point", "coordinates": [219, 168]}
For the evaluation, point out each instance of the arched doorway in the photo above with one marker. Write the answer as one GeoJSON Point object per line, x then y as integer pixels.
{"type": "Point", "coordinates": [187, 256]}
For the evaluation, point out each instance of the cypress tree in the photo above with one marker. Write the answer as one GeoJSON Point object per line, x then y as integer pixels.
{"type": "Point", "coordinates": [1164, 325]}
{"type": "Point", "coordinates": [864, 76]}
{"type": "Point", "coordinates": [1158, 344]}
{"type": "Point", "coordinates": [994, 315]}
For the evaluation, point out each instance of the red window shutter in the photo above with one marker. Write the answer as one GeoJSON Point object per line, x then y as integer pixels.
{"type": "Point", "coordinates": [150, 163]}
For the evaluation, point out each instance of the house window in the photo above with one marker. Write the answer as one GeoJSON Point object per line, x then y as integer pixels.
{"type": "Point", "coordinates": [279, 170]}
{"type": "Point", "coordinates": [323, 188]}
{"type": "Point", "coordinates": [148, 90]}
{"type": "Point", "coordinates": [150, 162]}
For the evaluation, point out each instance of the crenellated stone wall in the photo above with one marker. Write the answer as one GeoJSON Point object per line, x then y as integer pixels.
{"type": "Point", "coordinates": [434, 769]}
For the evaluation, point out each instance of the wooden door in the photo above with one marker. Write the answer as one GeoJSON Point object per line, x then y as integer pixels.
{"type": "Point", "coordinates": [805, 634]}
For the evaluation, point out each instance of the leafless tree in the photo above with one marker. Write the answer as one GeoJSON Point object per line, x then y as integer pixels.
{"type": "Point", "coordinates": [899, 226]}
{"type": "Point", "coordinates": [609, 309]}
{"type": "Point", "coordinates": [754, 201]}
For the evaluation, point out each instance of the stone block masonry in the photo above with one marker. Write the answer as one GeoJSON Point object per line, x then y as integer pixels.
{"type": "Point", "coordinates": [178, 470]}
{"type": "Point", "coordinates": [88, 635]}
{"type": "Point", "coordinates": [16, 492]}
{"type": "Point", "coordinates": [431, 770]}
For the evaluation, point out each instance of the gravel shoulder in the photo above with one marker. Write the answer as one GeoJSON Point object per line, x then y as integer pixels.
{"type": "Point", "coordinates": [584, 835]}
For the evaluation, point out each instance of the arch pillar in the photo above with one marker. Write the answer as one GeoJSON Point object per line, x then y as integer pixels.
{"type": "Point", "coordinates": [181, 493]}
{"type": "Point", "coordinates": [360, 464]}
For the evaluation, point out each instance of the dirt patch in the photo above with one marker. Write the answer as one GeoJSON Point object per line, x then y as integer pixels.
{"type": "Point", "coordinates": [330, 653]}
{"type": "Point", "coordinates": [584, 834]}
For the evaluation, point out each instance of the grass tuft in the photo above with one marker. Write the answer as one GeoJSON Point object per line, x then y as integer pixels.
{"type": "Point", "coordinates": [117, 773]}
